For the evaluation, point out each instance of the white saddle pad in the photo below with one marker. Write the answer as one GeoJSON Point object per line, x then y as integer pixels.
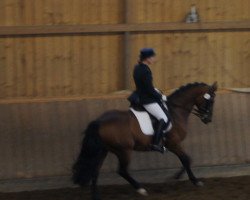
{"type": "Point", "coordinates": [144, 121]}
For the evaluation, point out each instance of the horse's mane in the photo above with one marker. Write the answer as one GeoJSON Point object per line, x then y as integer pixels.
{"type": "Point", "coordinates": [185, 88]}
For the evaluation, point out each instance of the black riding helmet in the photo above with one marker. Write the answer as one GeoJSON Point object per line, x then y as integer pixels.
{"type": "Point", "coordinates": [146, 53]}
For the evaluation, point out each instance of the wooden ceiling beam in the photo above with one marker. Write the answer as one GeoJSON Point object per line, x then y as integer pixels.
{"type": "Point", "coordinates": [121, 28]}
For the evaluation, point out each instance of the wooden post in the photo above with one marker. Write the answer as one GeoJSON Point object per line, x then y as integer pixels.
{"type": "Point", "coordinates": [127, 45]}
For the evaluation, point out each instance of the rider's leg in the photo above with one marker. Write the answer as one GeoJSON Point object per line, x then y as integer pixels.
{"type": "Point", "coordinates": [156, 110]}
{"type": "Point", "coordinates": [158, 136]}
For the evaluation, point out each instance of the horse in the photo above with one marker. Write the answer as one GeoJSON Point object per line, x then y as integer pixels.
{"type": "Point", "coordinates": [119, 132]}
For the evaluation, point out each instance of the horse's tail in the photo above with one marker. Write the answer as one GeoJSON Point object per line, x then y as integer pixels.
{"type": "Point", "coordinates": [91, 156]}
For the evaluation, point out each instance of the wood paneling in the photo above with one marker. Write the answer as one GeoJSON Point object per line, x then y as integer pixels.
{"type": "Point", "coordinates": [48, 12]}
{"type": "Point", "coordinates": [204, 57]}
{"type": "Point", "coordinates": [42, 139]}
{"type": "Point", "coordinates": [149, 11]}
{"type": "Point", "coordinates": [82, 65]}
{"type": "Point", "coordinates": [65, 66]}
{"type": "Point", "coordinates": [51, 12]}
{"type": "Point", "coordinates": [60, 66]}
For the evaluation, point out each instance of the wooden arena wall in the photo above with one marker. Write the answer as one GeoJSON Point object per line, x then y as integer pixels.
{"type": "Point", "coordinates": [75, 64]}
{"type": "Point", "coordinates": [43, 139]}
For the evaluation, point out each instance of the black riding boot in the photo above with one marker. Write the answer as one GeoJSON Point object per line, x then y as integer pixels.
{"type": "Point", "coordinates": [158, 136]}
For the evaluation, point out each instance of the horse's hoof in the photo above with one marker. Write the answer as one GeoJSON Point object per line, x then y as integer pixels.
{"type": "Point", "coordinates": [199, 184]}
{"type": "Point", "coordinates": [142, 192]}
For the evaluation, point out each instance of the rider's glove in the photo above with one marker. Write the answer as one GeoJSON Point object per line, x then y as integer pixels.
{"type": "Point", "coordinates": [164, 98]}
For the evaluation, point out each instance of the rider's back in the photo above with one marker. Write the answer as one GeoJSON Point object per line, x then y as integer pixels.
{"type": "Point", "coordinates": [144, 84]}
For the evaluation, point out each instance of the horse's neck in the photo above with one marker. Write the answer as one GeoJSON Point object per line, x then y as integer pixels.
{"type": "Point", "coordinates": [182, 108]}
{"type": "Point", "coordinates": [185, 103]}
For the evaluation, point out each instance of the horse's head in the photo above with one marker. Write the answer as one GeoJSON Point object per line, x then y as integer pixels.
{"type": "Point", "coordinates": [205, 103]}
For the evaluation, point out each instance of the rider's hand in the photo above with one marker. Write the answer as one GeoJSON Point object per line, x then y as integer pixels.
{"type": "Point", "coordinates": [164, 98]}
{"type": "Point", "coordinates": [157, 90]}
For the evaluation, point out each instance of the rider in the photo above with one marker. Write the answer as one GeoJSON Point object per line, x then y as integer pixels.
{"type": "Point", "coordinates": [150, 98]}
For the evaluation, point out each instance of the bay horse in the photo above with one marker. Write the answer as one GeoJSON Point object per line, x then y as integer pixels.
{"type": "Point", "coordinates": [119, 132]}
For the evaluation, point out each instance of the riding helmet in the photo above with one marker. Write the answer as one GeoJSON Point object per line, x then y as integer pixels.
{"type": "Point", "coordinates": [146, 53]}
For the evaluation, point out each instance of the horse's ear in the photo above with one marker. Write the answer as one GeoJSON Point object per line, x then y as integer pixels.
{"type": "Point", "coordinates": [215, 86]}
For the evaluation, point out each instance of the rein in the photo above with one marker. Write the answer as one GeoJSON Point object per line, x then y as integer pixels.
{"type": "Point", "coordinates": [195, 112]}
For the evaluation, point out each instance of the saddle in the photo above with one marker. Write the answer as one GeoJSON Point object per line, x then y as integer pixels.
{"type": "Point", "coordinates": [148, 123]}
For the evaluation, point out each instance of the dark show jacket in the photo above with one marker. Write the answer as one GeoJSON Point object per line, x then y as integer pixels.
{"type": "Point", "coordinates": [144, 84]}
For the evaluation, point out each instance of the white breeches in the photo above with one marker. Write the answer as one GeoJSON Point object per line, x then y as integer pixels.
{"type": "Point", "coordinates": [156, 110]}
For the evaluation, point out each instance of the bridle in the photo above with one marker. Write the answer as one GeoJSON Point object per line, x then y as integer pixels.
{"type": "Point", "coordinates": [203, 110]}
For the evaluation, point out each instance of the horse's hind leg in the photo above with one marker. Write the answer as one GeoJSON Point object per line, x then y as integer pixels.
{"type": "Point", "coordinates": [124, 161]}
{"type": "Point", "coordinates": [94, 188]}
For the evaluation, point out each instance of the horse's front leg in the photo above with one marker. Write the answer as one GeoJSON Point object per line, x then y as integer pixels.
{"type": "Point", "coordinates": [186, 162]}
{"type": "Point", "coordinates": [179, 174]}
